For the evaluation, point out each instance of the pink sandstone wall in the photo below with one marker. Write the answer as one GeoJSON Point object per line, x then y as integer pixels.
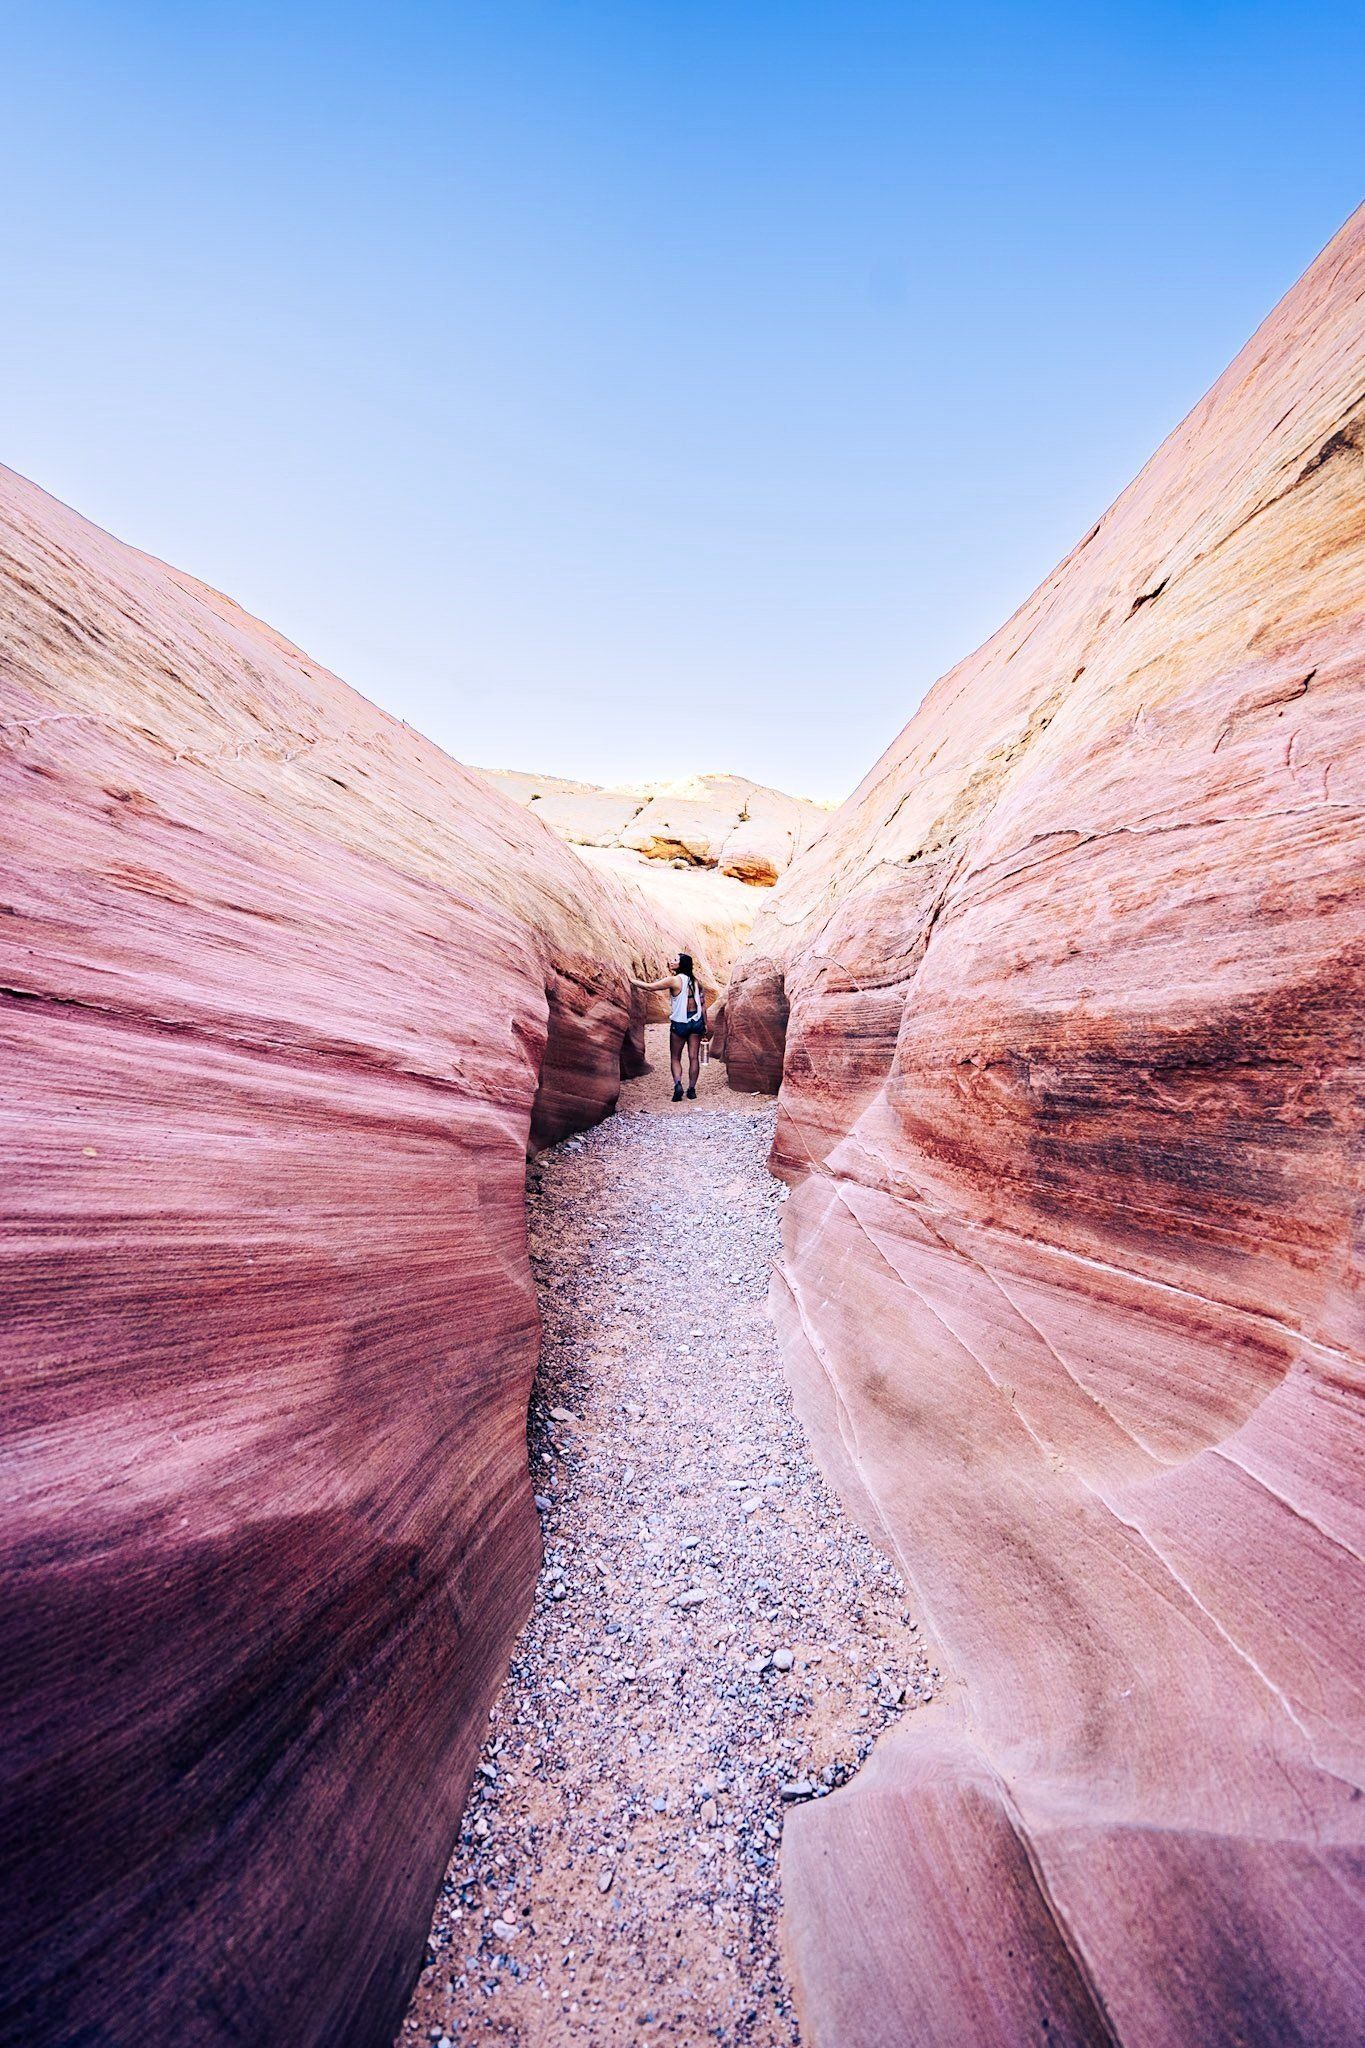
{"type": "Point", "coordinates": [283, 994]}
{"type": "Point", "coordinates": [1071, 1097]}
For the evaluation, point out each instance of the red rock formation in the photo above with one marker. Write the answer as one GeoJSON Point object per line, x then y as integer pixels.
{"type": "Point", "coordinates": [755, 1029]}
{"type": "Point", "coordinates": [285, 991]}
{"type": "Point", "coordinates": [1071, 1292]}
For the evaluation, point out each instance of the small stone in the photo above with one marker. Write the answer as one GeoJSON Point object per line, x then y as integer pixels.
{"type": "Point", "coordinates": [783, 1660]}
{"type": "Point", "coordinates": [692, 1599]}
{"type": "Point", "coordinates": [605, 1879]}
{"type": "Point", "coordinates": [799, 1788]}
{"type": "Point", "coordinates": [710, 1813]}
{"type": "Point", "coordinates": [504, 1930]}
{"type": "Point", "coordinates": [543, 1503]}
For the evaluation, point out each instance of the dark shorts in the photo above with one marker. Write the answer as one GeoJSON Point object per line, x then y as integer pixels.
{"type": "Point", "coordinates": [691, 1029]}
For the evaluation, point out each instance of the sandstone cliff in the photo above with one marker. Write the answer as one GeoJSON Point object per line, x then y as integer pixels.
{"type": "Point", "coordinates": [286, 994]}
{"type": "Point", "coordinates": [1071, 1290]}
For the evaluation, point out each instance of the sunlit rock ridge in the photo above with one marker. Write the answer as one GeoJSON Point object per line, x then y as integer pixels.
{"type": "Point", "coordinates": [747, 831]}
{"type": "Point", "coordinates": [705, 848]}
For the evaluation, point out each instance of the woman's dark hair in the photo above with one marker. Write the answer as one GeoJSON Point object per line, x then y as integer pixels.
{"type": "Point", "coordinates": [685, 964]}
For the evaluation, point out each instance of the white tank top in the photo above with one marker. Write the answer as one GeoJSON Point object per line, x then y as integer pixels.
{"type": "Point", "coordinates": [678, 1013]}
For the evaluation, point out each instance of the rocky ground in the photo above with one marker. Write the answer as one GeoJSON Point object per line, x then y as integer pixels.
{"type": "Point", "coordinates": [713, 1641]}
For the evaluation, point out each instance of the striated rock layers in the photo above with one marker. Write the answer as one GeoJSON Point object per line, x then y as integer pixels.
{"type": "Point", "coordinates": [285, 995]}
{"type": "Point", "coordinates": [1071, 1291]}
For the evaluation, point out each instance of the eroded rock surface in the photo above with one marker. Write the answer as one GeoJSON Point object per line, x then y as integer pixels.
{"type": "Point", "coordinates": [704, 849]}
{"type": "Point", "coordinates": [1071, 1293]}
{"type": "Point", "coordinates": [713, 911]}
{"type": "Point", "coordinates": [285, 992]}
{"type": "Point", "coordinates": [749, 833]}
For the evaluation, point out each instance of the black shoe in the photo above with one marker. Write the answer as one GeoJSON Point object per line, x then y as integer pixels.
{"type": "Point", "coordinates": [677, 1091]}
{"type": "Point", "coordinates": [691, 1094]}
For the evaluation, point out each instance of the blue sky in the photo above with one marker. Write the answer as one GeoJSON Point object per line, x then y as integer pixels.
{"type": "Point", "coordinates": [630, 390]}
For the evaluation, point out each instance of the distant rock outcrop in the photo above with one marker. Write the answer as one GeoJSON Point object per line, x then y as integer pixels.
{"type": "Point", "coordinates": [747, 832]}
{"type": "Point", "coordinates": [1071, 1293]}
{"type": "Point", "coordinates": [714, 913]}
{"type": "Point", "coordinates": [285, 995]}
{"type": "Point", "coordinates": [705, 850]}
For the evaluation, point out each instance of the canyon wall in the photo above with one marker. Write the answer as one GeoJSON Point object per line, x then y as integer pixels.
{"type": "Point", "coordinates": [284, 995]}
{"type": "Point", "coordinates": [1066, 1008]}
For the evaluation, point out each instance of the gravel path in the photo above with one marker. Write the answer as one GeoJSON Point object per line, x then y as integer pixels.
{"type": "Point", "coordinates": [713, 1640]}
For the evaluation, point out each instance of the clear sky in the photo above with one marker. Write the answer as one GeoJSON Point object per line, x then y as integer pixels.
{"type": "Point", "coordinates": [626, 390]}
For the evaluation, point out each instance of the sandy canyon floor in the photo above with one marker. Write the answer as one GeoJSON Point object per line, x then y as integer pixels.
{"type": "Point", "coordinates": [713, 1641]}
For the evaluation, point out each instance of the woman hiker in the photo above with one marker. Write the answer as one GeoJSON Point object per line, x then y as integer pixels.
{"type": "Point", "coordinates": [686, 1023]}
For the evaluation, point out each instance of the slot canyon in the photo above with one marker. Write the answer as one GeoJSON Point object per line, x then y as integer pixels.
{"type": "Point", "coordinates": [931, 1585]}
